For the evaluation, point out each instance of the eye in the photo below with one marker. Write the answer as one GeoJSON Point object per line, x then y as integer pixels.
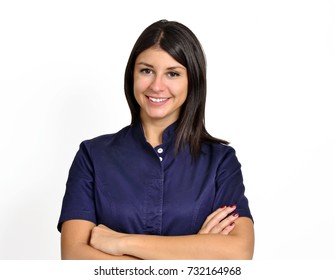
{"type": "Point", "coordinates": [173, 74]}
{"type": "Point", "coordinates": [146, 71]}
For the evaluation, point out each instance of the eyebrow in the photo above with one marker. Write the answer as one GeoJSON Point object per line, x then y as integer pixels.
{"type": "Point", "coordinates": [169, 68]}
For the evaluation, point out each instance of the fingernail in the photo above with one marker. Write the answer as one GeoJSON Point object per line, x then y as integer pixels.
{"type": "Point", "coordinates": [235, 214]}
{"type": "Point", "coordinates": [232, 206]}
{"type": "Point", "coordinates": [223, 206]}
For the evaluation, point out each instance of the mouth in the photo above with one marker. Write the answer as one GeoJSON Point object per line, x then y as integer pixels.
{"type": "Point", "coordinates": [161, 100]}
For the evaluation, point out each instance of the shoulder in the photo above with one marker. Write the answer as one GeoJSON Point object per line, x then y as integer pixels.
{"type": "Point", "coordinates": [103, 141]}
{"type": "Point", "coordinates": [218, 149]}
{"type": "Point", "coordinates": [222, 155]}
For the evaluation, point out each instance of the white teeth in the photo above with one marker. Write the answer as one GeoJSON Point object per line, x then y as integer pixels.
{"type": "Point", "coordinates": [157, 99]}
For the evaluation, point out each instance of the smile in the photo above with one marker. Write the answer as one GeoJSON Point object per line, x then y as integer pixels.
{"type": "Point", "coordinates": [157, 100]}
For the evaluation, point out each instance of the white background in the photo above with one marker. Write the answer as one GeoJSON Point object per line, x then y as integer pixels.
{"type": "Point", "coordinates": [271, 72]}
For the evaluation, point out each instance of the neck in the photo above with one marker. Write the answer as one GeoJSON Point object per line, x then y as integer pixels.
{"type": "Point", "coordinates": [154, 129]}
{"type": "Point", "coordinates": [153, 132]}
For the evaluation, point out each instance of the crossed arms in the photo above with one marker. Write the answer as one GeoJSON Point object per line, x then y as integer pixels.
{"type": "Point", "coordinates": [222, 236]}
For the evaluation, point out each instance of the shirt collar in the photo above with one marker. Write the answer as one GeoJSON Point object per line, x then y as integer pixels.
{"type": "Point", "coordinates": [169, 133]}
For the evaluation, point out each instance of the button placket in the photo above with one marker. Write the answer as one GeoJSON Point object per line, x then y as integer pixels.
{"type": "Point", "coordinates": [160, 152]}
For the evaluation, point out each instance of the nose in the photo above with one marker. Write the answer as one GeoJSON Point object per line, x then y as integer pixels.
{"type": "Point", "coordinates": [157, 84]}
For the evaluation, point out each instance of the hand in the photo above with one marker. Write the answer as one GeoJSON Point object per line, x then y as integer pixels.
{"type": "Point", "coordinates": [218, 222]}
{"type": "Point", "coordinates": [106, 240]}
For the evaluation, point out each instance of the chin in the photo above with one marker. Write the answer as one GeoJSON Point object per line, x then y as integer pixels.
{"type": "Point", "coordinates": [157, 116]}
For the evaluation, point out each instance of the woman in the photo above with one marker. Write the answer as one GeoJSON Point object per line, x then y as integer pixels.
{"type": "Point", "coordinates": [163, 187]}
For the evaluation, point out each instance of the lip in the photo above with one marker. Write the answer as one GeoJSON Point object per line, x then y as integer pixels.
{"type": "Point", "coordinates": [159, 103]}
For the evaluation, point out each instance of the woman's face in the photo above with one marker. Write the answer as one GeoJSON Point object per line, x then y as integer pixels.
{"type": "Point", "coordinates": [160, 86]}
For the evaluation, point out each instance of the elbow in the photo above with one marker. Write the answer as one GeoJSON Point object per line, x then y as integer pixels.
{"type": "Point", "coordinates": [249, 253]}
{"type": "Point", "coordinates": [244, 242]}
{"type": "Point", "coordinates": [66, 255]}
{"type": "Point", "coordinates": [241, 254]}
{"type": "Point", "coordinates": [245, 255]}
{"type": "Point", "coordinates": [241, 249]}
{"type": "Point", "coordinates": [71, 252]}
{"type": "Point", "coordinates": [246, 250]}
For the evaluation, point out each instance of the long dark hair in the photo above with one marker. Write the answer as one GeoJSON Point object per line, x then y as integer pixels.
{"type": "Point", "coordinates": [181, 43]}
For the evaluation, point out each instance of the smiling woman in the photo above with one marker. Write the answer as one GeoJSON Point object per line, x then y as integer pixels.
{"type": "Point", "coordinates": [160, 89]}
{"type": "Point", "coordinates": [162, 187]}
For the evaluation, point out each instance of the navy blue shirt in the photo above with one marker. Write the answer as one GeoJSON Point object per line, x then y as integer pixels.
{"type": "Point", "coordinates": [121, 181]}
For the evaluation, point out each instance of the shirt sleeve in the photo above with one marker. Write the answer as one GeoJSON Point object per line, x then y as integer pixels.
{"type": "Point", "coordinates": [78, 200]}
{"type": "Point", "coordinates": [230, 186]}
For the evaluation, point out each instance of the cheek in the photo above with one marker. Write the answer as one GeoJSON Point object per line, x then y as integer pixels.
{"type": "Point", "coordinates": [182, 92]}
{"type": "Point", "coordinates": [140, 85]}
{"type": "Point", "coordinates": [137, 94]}
{"type": "Point", "coordinates": [137, 86]}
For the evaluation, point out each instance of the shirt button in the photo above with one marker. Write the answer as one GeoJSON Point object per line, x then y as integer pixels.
{"type": "Point", "coordinates": [160, 150]}
{"type": "Point", "coordinates": [160, 158]}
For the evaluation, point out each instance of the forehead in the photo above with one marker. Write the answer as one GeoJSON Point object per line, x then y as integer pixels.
{"type": "Point", "coordinates": [157, 57]}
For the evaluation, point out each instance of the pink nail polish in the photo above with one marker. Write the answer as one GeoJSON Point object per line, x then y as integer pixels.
{"type": "Point", "coordinates": [232, 206]}
{"type": "Point", "coordinates": [235, 214]}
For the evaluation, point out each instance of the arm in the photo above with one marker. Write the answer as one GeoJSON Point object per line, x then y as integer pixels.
{"type": "Point", "coordinates": [75, 238]}
{"type": "Point", "coordinates": [237, 245]}
{"type": "Point", "coordinates": [231, 238]}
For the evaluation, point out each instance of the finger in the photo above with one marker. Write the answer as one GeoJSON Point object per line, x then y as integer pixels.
{"type": "Point", "coordinates": [210, 217]}
{"type": "Point", "coordinates": [220, 227]}
{"type": "Point", "coordinates": [205, 226]}
{"type": "Point", "coordinates": [219, 216]}
{"type": "Point", "coordinates": [228, 229]}
{"type": "Point", "coordinates": [102, 226]}
{"type": "Point", "coordinates": [213, 214]}
{"type": "Point", "coordinates": [216, 217]}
